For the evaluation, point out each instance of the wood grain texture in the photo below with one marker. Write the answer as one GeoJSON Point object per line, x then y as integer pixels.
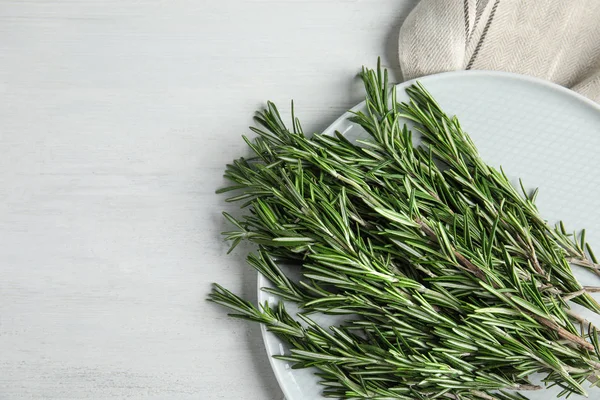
{"type": "Point", "coordinates": [116, 120]}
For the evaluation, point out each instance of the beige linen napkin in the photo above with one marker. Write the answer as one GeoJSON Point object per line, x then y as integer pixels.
{"type": "Point", "coordinates": [557, 40]}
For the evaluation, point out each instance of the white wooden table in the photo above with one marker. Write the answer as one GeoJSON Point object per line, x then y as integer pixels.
{"type": "Point", "coordinates": [116, 120]}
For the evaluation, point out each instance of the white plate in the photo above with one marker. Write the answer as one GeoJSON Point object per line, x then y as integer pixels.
{"type": "Point", "coordinates": [545, 134]}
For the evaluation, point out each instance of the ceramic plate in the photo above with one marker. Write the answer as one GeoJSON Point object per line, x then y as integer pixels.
{"type": "Point", "coordinates": [545, 134]}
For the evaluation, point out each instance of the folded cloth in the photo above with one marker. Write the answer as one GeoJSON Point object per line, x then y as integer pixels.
{"type": "Point", "coordinates": [557, 40]}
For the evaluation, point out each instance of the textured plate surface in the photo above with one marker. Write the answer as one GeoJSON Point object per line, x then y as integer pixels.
{"type": "Point", "coordinates": [547, 135]}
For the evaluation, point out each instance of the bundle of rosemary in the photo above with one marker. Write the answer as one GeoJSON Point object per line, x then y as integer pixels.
{"type": "Point", "coordinates": [455, 286]}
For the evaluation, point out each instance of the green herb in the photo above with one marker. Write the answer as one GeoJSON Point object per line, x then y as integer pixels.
{"type": "Point", "coordinates": [455, 286]}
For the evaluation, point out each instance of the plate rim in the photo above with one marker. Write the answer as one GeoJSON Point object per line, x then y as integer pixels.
{"type": "Point", "coordinates": [261, 281]}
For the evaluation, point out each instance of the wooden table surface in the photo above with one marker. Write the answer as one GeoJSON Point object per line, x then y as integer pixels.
{"type": "Point", "coordinates": [116, 120]}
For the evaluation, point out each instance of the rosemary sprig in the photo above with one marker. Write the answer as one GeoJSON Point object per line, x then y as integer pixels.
{"type": "Point", "coordinates": [456, 286]}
